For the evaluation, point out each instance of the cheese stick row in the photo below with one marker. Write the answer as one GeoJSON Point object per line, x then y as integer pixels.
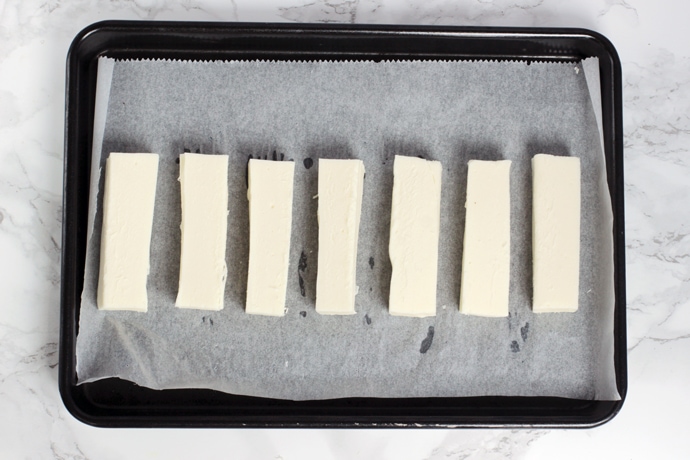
{"type": "Point", "coordinates": [128, 205]}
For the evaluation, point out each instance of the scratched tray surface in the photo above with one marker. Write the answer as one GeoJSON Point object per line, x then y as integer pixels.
{"type": "Point", "coordinates": [464, 411]}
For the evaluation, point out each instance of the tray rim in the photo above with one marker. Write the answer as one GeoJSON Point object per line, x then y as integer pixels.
{"type": "Point", "coordinates": [81, 64]}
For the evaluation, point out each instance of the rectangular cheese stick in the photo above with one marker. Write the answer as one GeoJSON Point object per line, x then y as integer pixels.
{"type": "Point", "coordinates": [414, 234]}
{"type": "Point", "coordinates": [128, 201]}
{"type": "Point", "coordinates": [204, 190]}
{"type": "Point", "coordinates": [340, 206]}
{"type": "Point", "coordinates": [555, 233]}
{"type": "Point", "coordinates": [270, 225]}
{"type": "Point", "coordinates": [485, 276]}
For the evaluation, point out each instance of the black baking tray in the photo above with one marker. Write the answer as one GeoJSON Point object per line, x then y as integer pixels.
{"type": "Point", "coordinates": [117, 403]}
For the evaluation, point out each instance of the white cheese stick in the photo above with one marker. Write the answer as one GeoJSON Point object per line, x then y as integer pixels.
{"type": "Point", "coordinates": [485, 276]}
{"type": "Point", "coordinates": [555, 233]}
{"type": "Point", "coordinates": [128, 201]}
{"type": "Point", "coordinates": [413, 248]}
{"type": "Point", "coordinates": [204, 189]}
{"type": "Point", "coordinates": [341, 185]}
{"type": "Point", "coordinates": [270, 224]}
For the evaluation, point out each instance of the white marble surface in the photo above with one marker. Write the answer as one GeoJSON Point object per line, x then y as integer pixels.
{"type": "Point", "coordinates": [652, 39]}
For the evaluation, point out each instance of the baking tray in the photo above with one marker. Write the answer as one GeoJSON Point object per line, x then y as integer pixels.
{"type": "Point", "coordinates": [118, 403]}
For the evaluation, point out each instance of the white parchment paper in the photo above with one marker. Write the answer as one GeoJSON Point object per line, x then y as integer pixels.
{"type": "Point", "coordinates": [303, 111]}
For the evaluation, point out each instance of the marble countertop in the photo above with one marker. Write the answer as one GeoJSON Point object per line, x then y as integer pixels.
{"type": "Point", "coordinates": [652, 40]}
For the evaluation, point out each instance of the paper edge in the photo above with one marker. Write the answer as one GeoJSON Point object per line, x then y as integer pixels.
{"type": "Point", "coordinates": [104, 78]}
{"type": "Point", "coordinates": [590, 67]}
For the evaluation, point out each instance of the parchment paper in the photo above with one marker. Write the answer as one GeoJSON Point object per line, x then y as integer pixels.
{"type": "Point", "coordinates": [302, 111]}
